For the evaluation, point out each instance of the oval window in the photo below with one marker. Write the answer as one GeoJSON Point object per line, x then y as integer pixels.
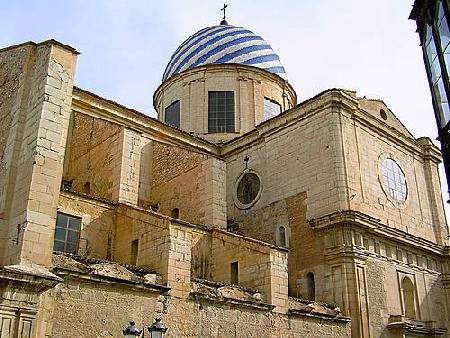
{"type": "Point", "coordinates": [248, 188]}
{"type": "Point", "coordinates": [394, 179]}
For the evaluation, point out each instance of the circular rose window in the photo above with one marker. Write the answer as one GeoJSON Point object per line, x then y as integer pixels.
{"type": "Point", "coordinates": [248, 190]}
{"type": "Point", "coordinates": [394, 179]}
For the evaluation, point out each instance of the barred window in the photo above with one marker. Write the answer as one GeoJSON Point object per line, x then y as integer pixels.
{"type": "Point", "coordinates": [220, 111]}
{"type": "Point", "coordinates": [172, 114]}
{"type": "Point", "coordinates": [67, 233]}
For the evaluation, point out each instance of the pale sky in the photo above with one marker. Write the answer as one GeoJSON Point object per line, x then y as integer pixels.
{"type": "Point", "coordinates": [364, 45]}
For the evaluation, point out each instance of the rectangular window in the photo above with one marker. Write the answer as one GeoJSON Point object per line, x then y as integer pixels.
{"type": "Point", "coordinates": [220, 112]}
{"type": "Point", "coordinates": [67, 233]}
{"type": "Point", "coordinates": [134, 251]}
{"type": "Point", "coordinates": [271, 108]}
{"type": "Point", "coordinates": [172, 114]}
{"type": "Point", "coordinates": [234, 273]}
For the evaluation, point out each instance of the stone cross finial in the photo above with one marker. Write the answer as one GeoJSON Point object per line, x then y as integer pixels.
{"type": "Point", "coordinates": [224, 11]}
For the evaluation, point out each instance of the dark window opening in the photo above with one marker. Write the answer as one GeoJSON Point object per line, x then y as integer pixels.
{"type": "Point", "coordinates": [87, 188]}
{"type": "Point", "coordinates": [175, 213]}
{"type": "Point", "coordinates": [67, 233]}
{"type": "Point", "coordinates": [134, 251]}
{"type": "Point", "coordinates": [220, 111]}
{"type": "Point", "coordinates": [172, 114]}
{"type": "Point", "coordinates": [232, 225]}
{"type": "Point", "coordinates": [271, 108]}
{"type": "Point", "coordinates": [234, 273]}
{"type": "Point", "coordinates": [67, 185]}
{"type": "Point", "coordinates": [282, 236]}
{"type": "Point", "coordinates": [248, 188]}
{"type": "Point", "coordinates": [310, 286]}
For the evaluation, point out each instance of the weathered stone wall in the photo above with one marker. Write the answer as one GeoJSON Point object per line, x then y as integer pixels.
{"type": "Point", "coordinates": [384, 295]}
{"type": "Point", "coordinates": [178, 181]}
{"type": "Point", "coordinates": [305, 155]}
{"type": "Point", "coordinates": [94, 155]}
{"type": "Point", "coordinates": [13, 66]}
{"type": "Point", "coordinates": [363, 275]}
{"type": "Point", "coordinates": [258, 266]}
{"type": "Point", "coordinates": [98, 220]}
{"type": "Point", "coordinates": [37, 110]}
{"type": "Point", "coordinates": [367, 140]}
{"type": "Point", "coordinates": [190, 181]}
{"type": "Point", "coordinates": [103, 310]}
{"type": "Point", "coordinates": [80, 308]}
{"type": "Point", "coordinates": [263, 223]}
{"type": "Point", "coordinates": [201, 254]}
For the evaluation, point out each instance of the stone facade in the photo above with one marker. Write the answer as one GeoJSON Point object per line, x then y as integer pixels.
{"type": "Point", "coordinates": [163, 227]}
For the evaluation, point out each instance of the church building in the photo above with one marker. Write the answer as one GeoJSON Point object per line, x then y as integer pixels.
{"type": "Point", "coordinates": [238, 212]}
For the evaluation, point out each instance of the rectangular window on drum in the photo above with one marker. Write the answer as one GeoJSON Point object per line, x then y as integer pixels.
{"type": "Point", "coordinates": [172, 114]}
{"type": "Point", "coordinates": [220, 111]}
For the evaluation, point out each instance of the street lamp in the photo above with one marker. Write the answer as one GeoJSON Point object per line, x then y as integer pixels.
{"type": "Point", "coordinates": [132, 331]}
{"type": "Point", "coordinates": [157, 329]}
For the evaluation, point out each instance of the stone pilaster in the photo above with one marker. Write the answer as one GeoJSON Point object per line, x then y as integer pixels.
{"type": "Point", "coordinates": [35, 149]}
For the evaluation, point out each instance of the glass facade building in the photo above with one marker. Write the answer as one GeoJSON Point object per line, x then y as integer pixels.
{"type": "Point", "coordinates": [432, 18]}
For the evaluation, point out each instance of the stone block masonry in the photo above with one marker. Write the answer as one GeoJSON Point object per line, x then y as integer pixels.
{"type": "Point", "coordinates": [39, 82]}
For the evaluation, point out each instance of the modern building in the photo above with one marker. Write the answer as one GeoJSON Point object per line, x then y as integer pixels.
{"type": "Point", "coordinates": [238, 212]}
{"type": "Point", "coordinates": [432, 17]}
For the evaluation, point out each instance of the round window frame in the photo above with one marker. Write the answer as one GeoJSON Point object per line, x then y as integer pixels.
{"type": "Point", "coordinates": [384, 185]}
{"type": "Point", "coordinates": [236, 200]}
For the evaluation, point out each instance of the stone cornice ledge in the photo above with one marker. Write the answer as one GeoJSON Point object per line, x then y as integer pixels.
{"type": "Point", "coordinates": [373, 225]}
{"type": "Point", "coordinates": [92, 104]}
{"type": "Point", "coordinates": [237, 302]}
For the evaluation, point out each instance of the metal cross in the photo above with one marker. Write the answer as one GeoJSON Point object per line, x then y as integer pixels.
{"type": "Point", "coordinates": [223, 10]}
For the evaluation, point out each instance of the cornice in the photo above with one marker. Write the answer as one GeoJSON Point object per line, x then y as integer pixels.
{"type": "Point", "coordinates": [329, 99]}
{"type": "Point", "coordinates": [248, 72]}
{"type": "Point", "coordinates": [91, 104]}
{"type": "Point", "coordinates": [415, 146]}
{"type": "Point", "coordinates": [374, 226]}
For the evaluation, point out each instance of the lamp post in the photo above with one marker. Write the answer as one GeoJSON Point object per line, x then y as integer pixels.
{"type": "Point", "coordinates": [132, 331]}
{"type": "Point", "coordinates": [156, 330]}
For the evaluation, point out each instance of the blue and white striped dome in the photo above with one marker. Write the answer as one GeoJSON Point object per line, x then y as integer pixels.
{"type": "Point", "coordinates": [224, 44]}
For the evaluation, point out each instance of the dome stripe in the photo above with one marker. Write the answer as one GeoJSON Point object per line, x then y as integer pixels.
{"type": "Point", "coordinates": [216, 50]}
{"type": "Point", "coordinates": [191, 41]}
{"type": "Point", "coordinates": [242, 51]}
{"type": "Point", "coordinates": [233, 48]}
{"type": "Point", "coordinates": [267, 64]}
{"type": "Point", "coordinates": [278, 69]}
{"type": "Point", "coordinates": [205, 45]}
{"type": "Point", "coordinates": [195, 48]}
{"type": "Point", "coordinates": [192, 37]}
{"type": "Point", "coordinates": [224, 44]}
{"type": "Point", "coordinates": [252, 53]}
{"type": "Point", "coordinates": [261, 59]}
{"type": "Point", "coordinates": [184, 44]}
